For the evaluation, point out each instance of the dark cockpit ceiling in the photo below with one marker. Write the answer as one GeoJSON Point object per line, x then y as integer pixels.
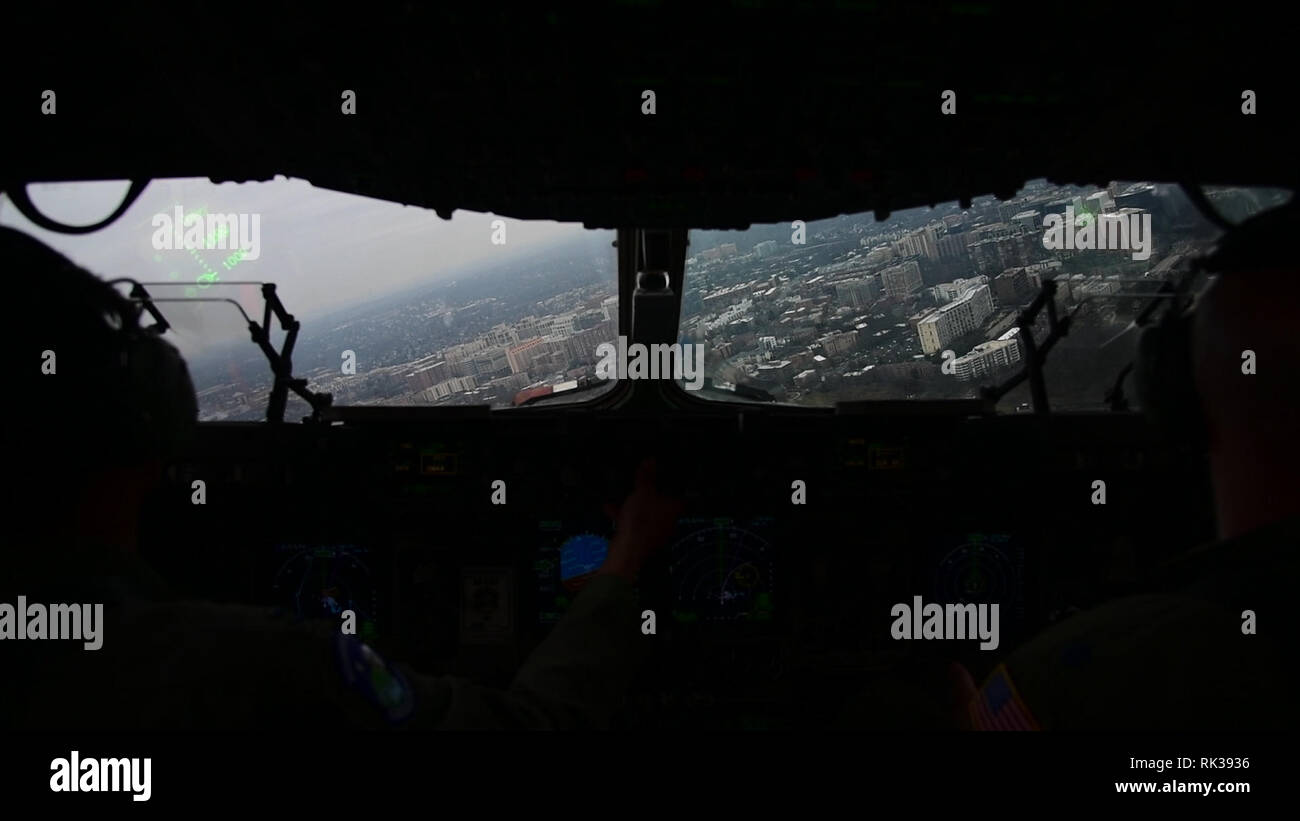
{"type": "Point", "coordinates": [764, 111]}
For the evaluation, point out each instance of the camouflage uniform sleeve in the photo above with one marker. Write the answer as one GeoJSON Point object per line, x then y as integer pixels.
{"type": "Point", "coordinates": [188, 666]}
{"type": "Point", "coordinates": [576, 678]}
{"type": "Point", "coordinates": [1155, 662]}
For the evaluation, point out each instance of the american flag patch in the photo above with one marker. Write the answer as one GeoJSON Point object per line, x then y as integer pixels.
{"type": "Point", "coordinates": [997, 706]}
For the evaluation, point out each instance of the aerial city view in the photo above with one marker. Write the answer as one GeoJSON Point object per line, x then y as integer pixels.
{"type": "Point", "coordinates": [923, 305]}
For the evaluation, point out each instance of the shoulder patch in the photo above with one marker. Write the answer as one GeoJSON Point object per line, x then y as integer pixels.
{"type": "Point", "coordinates": [365, 672]}
{"type": "Point", "coordinates": [997, 706]}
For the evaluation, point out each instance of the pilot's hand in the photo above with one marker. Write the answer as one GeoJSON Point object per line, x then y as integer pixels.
{"type": "Point", "coordinates": [643, 524]}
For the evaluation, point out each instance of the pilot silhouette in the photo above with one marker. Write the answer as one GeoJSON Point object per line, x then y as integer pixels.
{"type": "Point", "coordinates": [1211, 648]}
{"type": "Point", "coordinates": [90, 445]}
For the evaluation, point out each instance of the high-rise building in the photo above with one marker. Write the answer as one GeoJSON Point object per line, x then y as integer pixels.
{"type": "Point", "coordinates": [502, 334]}
{"type": "Point", "coordinates": [909, 245]}
{"type": "Point", "coordinates": [581, 347]}
{"type": "Point", "coordinates": [1018, 250]}
{"type": "Point", "coordinates": [902, 279]}
{"type": "Point", "coordinates": [987, 357]}
{"type": "Point", "coordinates": [490, 362]}
{"type": "Point", "coordinates": [915, 319]}
{"type": "Point", "coordinates": [857, 293]}
{"type": "Point", "coordinates": [427, 375]}
{"type": "Point", "coordinates": [562, 325]}
{"type": "Point", "coordinates": [948, 291]}
{"type": "Point", "coordinates": [929, 238]}
{"type": "Point", "coordinates": [838, 343]}
{"type": "Point", "coordinates": [961, 316]}
{"type": "Point", "coordinates": [520, 357]}
{"type": "Point", "coordinates": [953, 247]}
{"type": "Point", "coordinates": [1014, 286]}
{"type": "Point", "coordinates": [1029, 221]}
{"type": "Point", "coordinates": [923, 242]}
{"type": "Point", "coordinates": [984, 255]}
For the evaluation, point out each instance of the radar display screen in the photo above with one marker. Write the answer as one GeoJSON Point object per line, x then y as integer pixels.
{"type": "Point", "coordinates": [722, 570]}
{"type": "Point", "coordinates": [984, 568]}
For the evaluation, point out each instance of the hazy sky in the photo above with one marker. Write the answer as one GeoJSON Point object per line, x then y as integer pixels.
{"type": "Point", "coordinates": [324, 249]}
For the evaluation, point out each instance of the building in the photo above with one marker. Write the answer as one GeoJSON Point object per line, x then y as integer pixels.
{"type": "Point", "coordinates": [900, 280]}
{"type": "Point", "coordinates": [426, 376]}
{"type": "Point", "coordinates": [984, 255]}
{"type": "Point", "coordinates": [999, 253]}
{"type": "Point", "coordinates": [774, 372]}
{"type": "Point", "coordinates": [511, 384]}
{"type": "Point", "coordinates": [562, 325]}
{"type": "Point", "coordinates": [765, 249]}
{"type": "Point", "coordinates": [501, 335]}
{"type": "Point", "coordinates": [838, 343]}
{"type": "Point", "coordinates": [878, 255]}
{"type": "Point", "coordinates": [490, 362]}
{"type": "Point", "coordinates": [609, 308]}
{"type": "Point", "coordinates": [953, 247]}
{"type": "Point", "coordinates": [929, 239]}
{"type": "Point", "coordinates": [857, 293]}
{"type": "Point", "coordinates": [457, 384]}
{"type": "Point", "coordinates": [723, 297]}
{"type": "Point", "coordinates": [961, 316]}
{"type": "Point", "coordinates": [924, 242]}
{"type": "Point", "coordinates": [907, 246]}
{"type": "Point", "coordinates": [915, 319]}
{"type": "Point", "coordinates": [948, 291]}
{"type": "Point", "coordinates": [987, 357]}
{"type": "Point", "coordinates": [1099, 203]}
{"type": "Point", "coordinates": [1014, 286]}
{"type": "Point", "coordinates": [581, 347]}
{"type": "Point", "coordinates": [520, 357]}
{"type": "Point", "coordinates": [1029, 221]}
{"type": "Point", "coordinates": [851, 264]}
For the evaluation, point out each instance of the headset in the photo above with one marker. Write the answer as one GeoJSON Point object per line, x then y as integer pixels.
{"type": "Point", "coordinates": [156, 405]}
{"type": "Point", "coordinates": [122, 381]}
{"type": "Point", "coordinates": [1163, 370]}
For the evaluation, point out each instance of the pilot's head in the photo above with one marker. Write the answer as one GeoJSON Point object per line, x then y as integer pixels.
{"type": "Point", "coordinates": [1245, 346]}
{"type": "Point", "coordinates": [101, 401]}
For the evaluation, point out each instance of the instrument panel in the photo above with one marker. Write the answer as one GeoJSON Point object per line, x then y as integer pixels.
{"type": "Point", "coordinates": [459, 549]}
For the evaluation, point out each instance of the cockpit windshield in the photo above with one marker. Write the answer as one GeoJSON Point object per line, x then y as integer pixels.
{"type": "Point", "coordinates": [926, 303]}
{"type": "Point", "coordinates": [397, 305]}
